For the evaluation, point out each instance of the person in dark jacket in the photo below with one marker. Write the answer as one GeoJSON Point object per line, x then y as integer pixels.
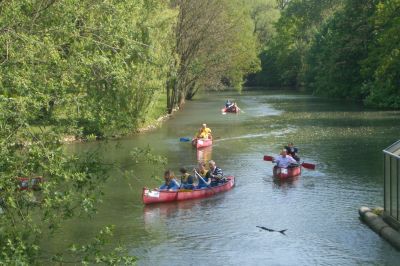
{"type": "Point", "coordinates": [292, 151]}
{"type": "Point", "coordinates": [187, 180]}
{"type": "Point", "coordinates": [215, 174]}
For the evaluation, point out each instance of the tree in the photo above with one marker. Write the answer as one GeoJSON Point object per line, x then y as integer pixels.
{"type": "Point", "coordinates": [214, 43]}
{"type": "Point", "coordinates": [299, 22]}
{"type": "Point", "coordinates": [381, 69]}
{"type": "Point", "coordinates": [339, 48]}
{"type": "Point", "coordinates": [70, 67]}
{"type": "Point", "coordinates": [98, 65]}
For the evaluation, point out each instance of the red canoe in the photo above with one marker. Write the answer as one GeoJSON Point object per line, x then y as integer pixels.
{"type": "Point", "coordinates": [200, 143]}
{"type": "Point", "coordinates": [283, 173]}
{"type": "Point", "coordinates": [230, 110]}
{"type": "Point", "coordinates": [28, 183]}
{"type": "Point", "coordinates": [155, 196]}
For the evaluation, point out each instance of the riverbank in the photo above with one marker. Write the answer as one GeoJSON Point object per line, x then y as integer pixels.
{"type": "Point", "coordinates": [153, 120]}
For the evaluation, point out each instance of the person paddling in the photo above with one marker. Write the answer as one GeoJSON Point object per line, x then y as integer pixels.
{"type": "Point", "coordinates": [292, 151]}
{"type": "Point", "coordinates": [203, 176]}
{"type": "Point", "coordinates": [283, 160]}
{"type": "Point", "coordinates": [204, 132]}
{"type": "Point", "coordinates": [215, 173]}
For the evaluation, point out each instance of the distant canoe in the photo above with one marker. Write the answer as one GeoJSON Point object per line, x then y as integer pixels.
{"type": "Point", "coordinates": [155, 196]}
{"type": "Point", "coordinates": [283, 173]}
{"type": "Point", "coordinates": [28, 183]}
{"type": "Point", "coordinates": [230, 110]}
{"type": "Point", "coordinates": [200, 143]}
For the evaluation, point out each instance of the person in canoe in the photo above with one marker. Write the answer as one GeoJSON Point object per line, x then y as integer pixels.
{"type": "Point", "coordinates": [215, 174]}
{"type": "Point", "coordinates": [204, 133]}
{"type": "Point", "coordinates": [231, 106]}
{"type": "Point", "coordinates": [284, 161]}
{"type": "Point", "coordinates": [228, 103]}
{"type": "Point", "coordinates": [292, 151]}
{"type": "Point", "coordinates": [203, 176]}
{"type": "Point", "coordinates": [187, 180]}
{"type": "Point", "coordinates": [170, 181]}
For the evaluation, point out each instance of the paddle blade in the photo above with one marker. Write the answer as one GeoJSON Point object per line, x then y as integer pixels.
{"type": "Point", "coordinates": [268, 158]}
{"type": "Point", "coordinates": [308, 166]}
{"type": "Point", "coordinates": [184, 139]}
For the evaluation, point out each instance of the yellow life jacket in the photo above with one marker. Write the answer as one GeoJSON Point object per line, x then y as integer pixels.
{"type": "Point", "coordinates": [184, 177]}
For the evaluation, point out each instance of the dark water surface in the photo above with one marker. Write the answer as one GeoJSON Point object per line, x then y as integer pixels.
{"type": "Point", "coordinates": [319, 209]}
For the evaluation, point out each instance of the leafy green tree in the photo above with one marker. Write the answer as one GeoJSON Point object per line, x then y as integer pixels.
{"type": "Point", "coordinates": [286, 52]}
{"type": "Point", "coordinates": [381, 68]}
{"type": "Point", "coordinates": [264, 13]}
{"type": "Point", "coordinates": [335, 56]}
{"type": "Point", "coordinates": [216, 47]}
{"type": "Point", "coordinates": [70, 67]}
{"type": "Point", "coordinates": [71, 186]}
{"type": "Point", "coordinates": [98, 65]}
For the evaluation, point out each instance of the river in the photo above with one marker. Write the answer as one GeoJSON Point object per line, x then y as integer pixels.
{"type": "Point", "coordinates": [319, 209]}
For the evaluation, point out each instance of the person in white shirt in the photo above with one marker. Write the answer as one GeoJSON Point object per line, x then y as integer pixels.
{"type": "Point", "coordinates": [283, 160]}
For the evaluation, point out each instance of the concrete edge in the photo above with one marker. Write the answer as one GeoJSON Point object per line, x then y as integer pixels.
{"type": "Point", "coordinates": [377, 224]}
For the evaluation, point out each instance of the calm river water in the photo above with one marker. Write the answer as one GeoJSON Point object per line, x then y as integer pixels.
{"type": "Point", "coordinates": [319, 209]}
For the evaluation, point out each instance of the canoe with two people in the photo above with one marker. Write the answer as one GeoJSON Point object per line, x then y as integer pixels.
{"type": "Point", "coordinates": [288, 163]}
{"type": "Point", "coordinates": [230, 107]}
{"type": "Point", "coordinates": [286, 166]}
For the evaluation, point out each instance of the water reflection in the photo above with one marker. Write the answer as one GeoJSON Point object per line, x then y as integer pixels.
{"type": "Point", "coordinates": [157, 213]}
{"type": "Point", "coordinates": [285, 184]}
{"type": "Point", "coordinates": [204, 154]}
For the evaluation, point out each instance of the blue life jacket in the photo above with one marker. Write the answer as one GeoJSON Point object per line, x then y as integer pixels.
{"type": "Point", "coordinates": [201, 183]}
{"type": "Point", "coordinates": [172, 185]}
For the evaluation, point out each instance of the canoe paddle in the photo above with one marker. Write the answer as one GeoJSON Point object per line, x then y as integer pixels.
{"type": "Point", "coordinates": [308, 166]}
{"type": "Point", "coordinates": [202, 179]}
{"type": "Point", "coordinates": [305, 165]}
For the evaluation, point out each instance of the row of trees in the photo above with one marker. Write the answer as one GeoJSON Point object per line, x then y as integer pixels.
{"type": "Point", "coordinates": [97, 68]}
{"type": "Point", "coordinates": [345, 49]}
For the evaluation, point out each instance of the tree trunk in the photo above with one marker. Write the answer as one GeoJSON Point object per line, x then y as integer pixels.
{"type": "Point", "coordinates": [181, 100]}
{"type": "Point", "coordinates": [171, 92]}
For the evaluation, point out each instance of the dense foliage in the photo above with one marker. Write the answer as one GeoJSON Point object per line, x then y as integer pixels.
{"type": "Point", "coordinates": [97, 66]}
{"type": "Point", "coordinates": [381, 68]}
{"type": "Point", "coordinates": [97, 69]}
{"type": "Point", "coordinates": [344, 49]}
{"type": "Point", "coordinates": [335, 56]}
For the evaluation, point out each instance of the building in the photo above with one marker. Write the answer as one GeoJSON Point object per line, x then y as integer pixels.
{"type": "Point", "coordinates": [391, 173]}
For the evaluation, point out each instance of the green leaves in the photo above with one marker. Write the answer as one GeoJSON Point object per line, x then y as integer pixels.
{"type": "Point", "coordinates": [343, 49]}
{"type": "Point", "coordinates": [96, 67]}
{"type": "Point", "coordinates": [380, 69]}
{"type": "Point", "coordinates": [216, 47]}
{"type": "Point", "coordinates": [148, 156]}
